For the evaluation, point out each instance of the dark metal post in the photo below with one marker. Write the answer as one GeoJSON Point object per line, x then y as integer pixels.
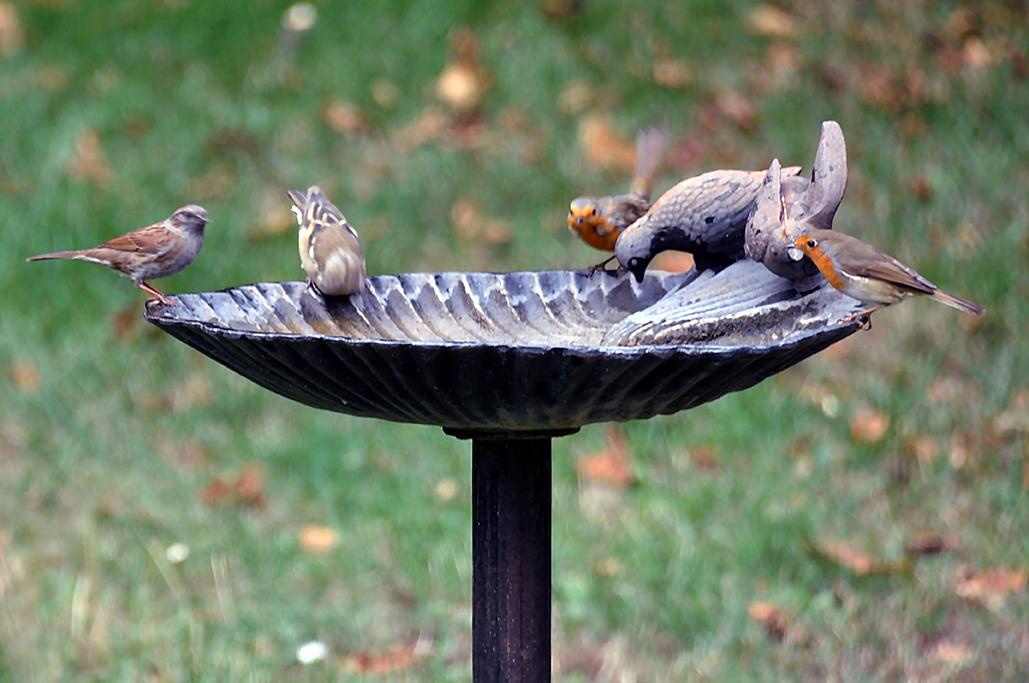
{"type": "Point", "coordinates": [511, 497]}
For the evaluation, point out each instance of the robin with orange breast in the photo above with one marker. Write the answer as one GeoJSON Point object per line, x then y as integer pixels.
{"type": "Point", "coordinates": [862, 272]}
{"type": "Point", "coordinates": [598, 221]}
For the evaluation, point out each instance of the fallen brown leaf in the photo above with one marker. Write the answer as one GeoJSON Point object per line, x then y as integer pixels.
{"type": "Point", "coordinates": [869, 426]}
{"type": "Point", "coordinates": [385, 93]}
{"type": "Point", "coordinates": [924, 449]}
{"type": "Point", "coordinates": [344, 117]}
{"type": "Point", "coordinates": [856, 561]}
{"type": "Point", "coordinates": [316, 539]}
{"type": "Point", "coordinates": [603, 147]}
{"type": "Point", "coordinates": [446, 490]}
{"type": "Point", "coordinates": [991, 587]}
{"type": "Point", "coordinates": [705, 459]}
{"type": "Point", "coordinates": [125, 324]}
{"type": "Point", "coordinates": [672, 73]}
{"type": "Point", "coordinates": [24, 375]}
{"type": "Point", "coordinates": [12, 38]}
{"type": "Point", "coordinates": [952, 652]}
{"type": "Point", "coordinates": [611, 466]}
{"type": "Point", "coordinates": [561, 9]}
{"type": "Point", "coordinates": [426, 127]}
{"type": "Point", "coordinates": [737, 108]}
{"type": "Point", "coordinates": [194, 391]}
{"type": "Point", "coordinates": [575, 97]}
{"type": "Point", "coordinates": [929, 543]}
{"type": "Point", "coordinates": [771, 618]}
{"type": "Point", "coordinates": [771, 21]}
{"type": "Point", "coordinates": [922, 188]}
{"type": "Point", "coordinates": [274, 217]}
{"type": "Point", "coordinates": [244, 489]}
{"type": "Point", "coordinates": [393, 659]}
{"type": "Point", "coordinates": [88, 162]}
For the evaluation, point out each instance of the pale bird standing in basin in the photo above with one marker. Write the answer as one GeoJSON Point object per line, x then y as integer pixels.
{"type": "Point", "coordinates": [149, 253]}
{"type": "Point", "coordinates": [330, 251]}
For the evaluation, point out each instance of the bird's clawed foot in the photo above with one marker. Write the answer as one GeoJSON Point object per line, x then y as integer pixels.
{"type": "Point", "coordinates": [864, 316]}
{"type": "Point", "coordinates": [155, 295]}
{"type": "Point", "coordinates": [602, 267]}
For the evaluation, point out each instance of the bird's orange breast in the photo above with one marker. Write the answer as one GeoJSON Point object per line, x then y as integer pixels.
{"type": "Point", "coordinates": [826, 267]}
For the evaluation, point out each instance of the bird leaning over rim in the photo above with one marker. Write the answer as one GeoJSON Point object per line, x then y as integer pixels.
{"type": "Point", "coordinates": [598, 221]}
{"type": "Point", "coordinates": [705, 216]}
{"type": "Point", "coordinates": [330, 250]}
{"type": "Point", "coordinates": [862, 272]}
{"type": "Point", "coordinates": [149, 253]}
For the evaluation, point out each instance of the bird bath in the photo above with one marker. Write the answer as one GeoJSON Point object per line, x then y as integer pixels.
{"type": "Point", "coordinates": [509, 361]}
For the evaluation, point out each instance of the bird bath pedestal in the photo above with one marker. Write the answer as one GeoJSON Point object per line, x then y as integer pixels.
{"type": "Point", "coordinates": [510, 361]}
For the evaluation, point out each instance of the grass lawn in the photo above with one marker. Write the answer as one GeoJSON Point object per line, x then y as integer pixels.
{"type": "Point", "coordinates": [765, 537]}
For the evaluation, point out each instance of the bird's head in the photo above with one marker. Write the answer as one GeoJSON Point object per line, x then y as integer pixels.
{"type": "Point", "coordinates": [583, 216]}
{"type": "Point", "coordinates": [815, 244]}
{"type": "Point", "coordinates": [189, 217]}
{"type": "Point", "coordinates": [636, 247]}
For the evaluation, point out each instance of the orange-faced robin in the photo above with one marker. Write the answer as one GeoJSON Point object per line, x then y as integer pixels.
{"type": "Point", "coordinates": [330, 251]}
{"type": "Point", "coordinates": [705, 216]}
{"type": "Point", "coordinates": [788, 207]}
{"type": "Point", "coordinates": [862, 272]}
{"type": "Point", "coordinates": [148, 253]}
{"type": "Point", "coordinates": [598, 221]}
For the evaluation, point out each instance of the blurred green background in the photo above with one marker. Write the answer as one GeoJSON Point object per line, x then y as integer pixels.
{"type": "Point", "coordinates": [785, 533]}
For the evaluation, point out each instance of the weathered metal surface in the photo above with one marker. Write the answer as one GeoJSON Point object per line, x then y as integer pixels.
{"type": "Point", "coordinates": [505, 352]}
{"type": "Point", "coordinates": [511, 560]}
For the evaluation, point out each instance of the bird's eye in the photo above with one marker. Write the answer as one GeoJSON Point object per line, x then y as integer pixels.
{"type": "Point", "coordinates": [811, 244]}
{"type": "Point", "coordinates": [593, 212]}
{"type": "Point", "coordinates": [634, 261]}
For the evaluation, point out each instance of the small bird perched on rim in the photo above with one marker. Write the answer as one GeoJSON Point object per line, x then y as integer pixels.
{"type": "Point", "coordinates": [149, 253]}
{"type": "Point", "coordinates": [598, 221]}
{"type": "Point", "coordinates": [330, 251]}
{"type": "Point", "coordinates": [862, 272]}
{"type": "Point", "coordinates": [705, 216]}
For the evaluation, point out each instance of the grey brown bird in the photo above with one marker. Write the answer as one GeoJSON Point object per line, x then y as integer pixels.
{"type": "Point", "coordinates": [598, 221]}
{"type": "Point", "coordinates": [704, 216]}
{"type": "Point", "coordinates": [149, 253]}
{"type": "Point", "coordinates": [862, 272]}
{"type": "Point", "coordinates": [330, 250]}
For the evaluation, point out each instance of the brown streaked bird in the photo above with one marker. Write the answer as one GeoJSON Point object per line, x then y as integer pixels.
{"type": "Point", "coordinates": [598, 221]}
{"type": "Point", "coordinates": [149, 253]}
{"type": "Point", "coordinates": [862, 272]}
{"type": "Point", "coordinates": [330, 251]}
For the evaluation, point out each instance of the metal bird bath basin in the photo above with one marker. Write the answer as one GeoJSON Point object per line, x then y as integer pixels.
{"type": "Point", "coordinates": [511, 360]}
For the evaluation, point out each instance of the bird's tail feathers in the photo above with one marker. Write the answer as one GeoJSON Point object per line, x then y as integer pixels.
{"type": "Point", "coordinates": [650, 151]}
{"type": "Point", "coordinates": [958, 303]}
{"type": "Point", "coordinates": [76, 255]}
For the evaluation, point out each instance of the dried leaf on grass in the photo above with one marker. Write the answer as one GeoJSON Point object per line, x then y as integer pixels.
{"type": "Point", "coordinates": [24, 375]}
{"type": "Point", "coordinates": [472, 225]}
{"type": "Point", "coordinates": [316, 539]}
{"type": "Point", "coordinates": [464, 81]}
{"type": "Point", "coordinates": [12, 38]}
{"type": "Point", "coordinates": [428, 126]}
{"type": "Point", "coordinates": [857, 562]}
{"type": "Point", "coordinates": [672, 73]}
{"type": "Point", "coordinates": [611, 466]}
{"type": "Point", "coordinates": [929, 543]}
{"type": "Point", "coordinates": [771, 618]}
{"type": "Point", "coordinates": [952, 652]}
{"type": "Point", "coordinates": [344, 117]}
{"type": "Point", "coordinates": [274, 216]}
{"type": "Point", "coordinates": [246, 488]}
{"type": "Point", "coordinates": [393, 659]}
{"type": "Point", "coordinates": [869, 426]}
{"type": "Point", "coordinates": [990, 587]}
{"type": "Point", "coordinates": [771, 21]}
{"type": "Point", "coordinates": [603, 146]}
{"type": "Point", "coordinates": [88, 162]}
